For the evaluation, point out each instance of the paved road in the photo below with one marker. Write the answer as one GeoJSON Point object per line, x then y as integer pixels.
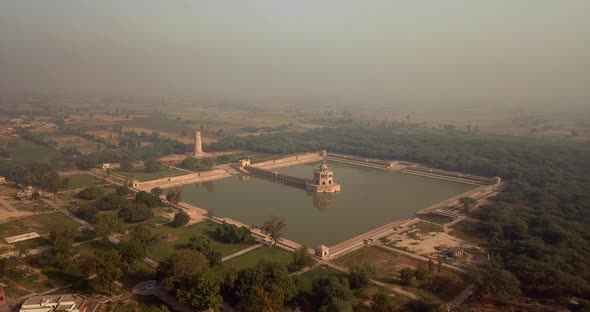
{"type": "Point", "coordinates": [241, 252]}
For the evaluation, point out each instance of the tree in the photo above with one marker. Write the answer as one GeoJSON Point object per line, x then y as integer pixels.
{"type": "Point", "coordinates": [123, 191]}
{"type": "Point", "coordinates": [91, 193]}
{"type": "Point", "coordinates": [421, 274]}
{"type": "Point", "coordinates": [61, 239]}
{"type": "Point", "coordinates": [406, 275]}
{"type": "Point", "coordinates": [174, 196]}
{"type": "Point", "coordinates": [467, 203]}
{"type": "Point", "coordinates": [422, 305]}
{"type": "Point", "coordinates": [203, 245]}
{"type": "Point", "coordinates": [126, 164]}
{"type": "Point", "coordinates": [382, 302]}
{"type": "Point", "coordinates": [331, 292]}
{"type": "Point", "coordinates": [301, 259]}
{"type": "Point", "coordinates": [358, 276]}
{"type": "Point", "coordinates": [182, 264]}
{"type": "Point", "coordinates": [142, 234]}
{"type": "Point", "coordinates": [181, 218]}
{"type": "Point", "coordinates": [200, 291]}
{"type": "Point", "coordinates": [264, 287]}
{"type": "Point", "coordinates": [274, 228]}
{"type": "Point", "coordinates": [152, 165]}
{"type": "Point", "coordinates": [108, 267]}
{"type": "Point", "coordinates": [147, 199]}
{"type": "Point", "coordinates": [156, 191]}
{"type": "Point", "coordinates": [110, 202]}
{"type": "Point", "coordinates": [106, 224]}
{"type": "Point", "coordinates": [498, 283]}
{"type": "Point", "coordinates": [87, 213]}
{"type": "Point", "coordinates": [130, 251]}
{"type": "Point", "coordinates": [232, 234]}
{"type": "Point", "coordinates": [135, 213]}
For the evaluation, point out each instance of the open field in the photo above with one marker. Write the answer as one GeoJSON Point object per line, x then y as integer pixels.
{"type": "Point", "coordinates": [160, 249]}
{"type": "Point", "coordinates": [30, 151]}
{"type": "Point", "coordinates": [250, 258]}
{"type": "Point", "coordinates": [77, 181]}
{"type": "Point", "coordinates": [34, 206]}
{"type": "Point", "coordinates": [42, 224]}
{"type": "Point", "coordinates": [81, 144]}
{"type": "Point", "coordinates": [142, 176]}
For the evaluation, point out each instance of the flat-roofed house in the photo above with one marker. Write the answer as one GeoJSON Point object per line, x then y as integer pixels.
{"type": "Point", "coordinates": [50, 303]}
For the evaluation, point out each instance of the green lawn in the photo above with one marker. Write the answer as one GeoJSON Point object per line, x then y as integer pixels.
{"type": "Point", "coordinates": [78, 181]}
{"type": "Point", "coordinates": [140, 174]}
{"type": "Point", "coordinates": [84, 235]}
{"type": "Point", "coordinates": [30, 151]}
{"type": "Point", "coordinates": [160, 249]}
{"type": "Point", "coordinates": [41, 223]}
{"type": "Point", "coordinates": [32, 243]}
{"type": "Point", "coordinates": [250, 259]}
{"type": "Point", "coordinates": [90, 248]}
{"type": "Point", "coordinates": [304, 280]}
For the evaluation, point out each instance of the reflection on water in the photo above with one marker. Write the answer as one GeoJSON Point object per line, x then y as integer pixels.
{"type": "Point", "coordinates": [323, 201]}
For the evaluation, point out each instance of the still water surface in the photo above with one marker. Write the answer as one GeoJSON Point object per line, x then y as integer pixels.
{"type": "Point", "coordinates": [369, 198]}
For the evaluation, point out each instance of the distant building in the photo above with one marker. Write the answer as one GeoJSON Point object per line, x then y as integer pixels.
{"type": "Point", "coordinates": [25, 193]}
{"type": "Point", "coordinates": [456, 252]}
{"type": "Point", "coordinates": [323, 181]}
{"type": "Point", "coordinates": [322, 252]}
{"type": "Point", "coordinates": [50, 303]}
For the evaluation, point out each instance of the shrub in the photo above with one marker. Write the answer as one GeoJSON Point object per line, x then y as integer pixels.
{"type": "Point", "coordinates": [91, 193]}
{"type": "Point", "coordinates": [181, 218]}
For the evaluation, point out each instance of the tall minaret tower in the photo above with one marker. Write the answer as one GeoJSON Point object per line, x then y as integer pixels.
{"type": "Point", "coordinates": [198, 147]}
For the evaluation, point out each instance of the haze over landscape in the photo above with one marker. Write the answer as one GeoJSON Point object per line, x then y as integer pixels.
{"type": "Point", "coordinates": [424, 53]}
{"type": "Point", "coordinates": [313, 156]}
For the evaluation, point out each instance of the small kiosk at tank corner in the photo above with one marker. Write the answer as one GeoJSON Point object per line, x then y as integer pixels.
{"type": "Point", "coordinates": [323, 181]}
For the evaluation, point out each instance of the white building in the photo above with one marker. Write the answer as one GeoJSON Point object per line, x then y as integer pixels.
{"type": "Point", "coordinates": [50, 303]}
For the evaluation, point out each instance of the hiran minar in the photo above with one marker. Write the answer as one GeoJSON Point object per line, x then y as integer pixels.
{"type": "Point", "coordinates": [323, 181]}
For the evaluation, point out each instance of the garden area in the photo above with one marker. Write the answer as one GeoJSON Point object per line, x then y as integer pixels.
{"type": "Point", "coordinates": [170, 238]}
{"type": "Point", "coordinates": [41, 223]}
{"type": "Point", "coordinates": [141, 175]}
{"type": "Point", "coordinates": [77, 181]}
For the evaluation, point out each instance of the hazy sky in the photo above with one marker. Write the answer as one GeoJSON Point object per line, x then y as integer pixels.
{"type": "Point", "coordinates": [514, 52]}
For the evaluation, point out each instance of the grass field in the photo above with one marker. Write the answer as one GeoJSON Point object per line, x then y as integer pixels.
{"type": "Point", "coordinates": [42, 224]}
{"type": "Point", "coordinates": [30, 151]}
{"type": "Point", "coordinates": [81, 144]}
{"type": "Point", "coordinates": [160, 249]}
{"type": "Point", "coordinates": [78, 181]}
{"type": "Point", "coordinates": [142, 176]}
{"type": "Point", "coordinates": [250, 259]}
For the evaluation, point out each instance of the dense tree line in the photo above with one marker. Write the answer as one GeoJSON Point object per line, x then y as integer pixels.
{"type": "Point", "coordinates": [539, 226]}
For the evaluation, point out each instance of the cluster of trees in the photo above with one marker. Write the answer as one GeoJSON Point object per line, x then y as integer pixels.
{"type": "Point", "coordinates": [538, 225]}
{"type": "Point", "coordinates": [194, 164]}
{"type": "Point", "coordinates": [131, 211]}
{"type": "Point", "coordinates": [230, 233]}
{"type": "Point", "coordinates": [42, 175]}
